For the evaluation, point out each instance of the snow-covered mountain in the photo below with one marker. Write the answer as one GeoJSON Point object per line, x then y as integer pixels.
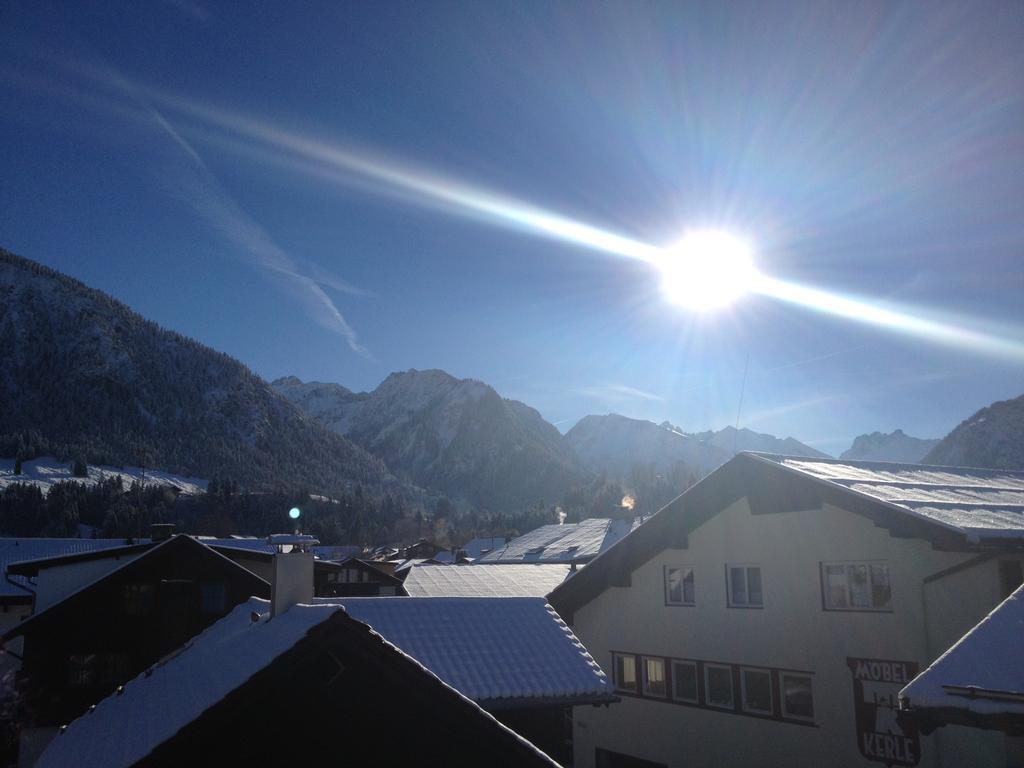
{"type": "Point", "coordinates": [84, 376]}
{"type": "Point", "coordinates": [616, 444]}
{"type": "Point", "coordinates": [895, 446]}
{"type": "Point", "coordinates": [734, 440]}
{"type": "Point", "coordinates": [993, 437]}
{"type": "Point", "coordinates": [457, 436]}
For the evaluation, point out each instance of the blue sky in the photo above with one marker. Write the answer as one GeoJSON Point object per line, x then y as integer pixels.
{"type": "Point", "coordinates": [349, 189]}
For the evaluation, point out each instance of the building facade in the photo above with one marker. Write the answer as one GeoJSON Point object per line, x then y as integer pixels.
{"type": "Point", "coordinates": [770, 617]}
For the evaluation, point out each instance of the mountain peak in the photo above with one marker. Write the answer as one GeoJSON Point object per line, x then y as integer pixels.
{"type": "Point", "coordinates": [895, 446]}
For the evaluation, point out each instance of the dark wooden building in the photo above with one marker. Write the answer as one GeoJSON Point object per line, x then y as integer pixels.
{"type": "Point", "coordinates": [80, 649]}
{"type": "Point", "coordinates": [311, 686]}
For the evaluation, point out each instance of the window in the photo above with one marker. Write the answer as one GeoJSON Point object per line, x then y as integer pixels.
{"type": "Point", "coordinates": [684, 681]}
{"type": "Point", "coordinates": [744, 583]}
{"type": "Point", "coordinates": [86, 669]}
{"type": "Point", "coordinates": [625, 672]}
{"type": "Point", "coordinates": [654, 677]}
{"type": "Point", "coordinates": [856, 586]}
{"type": "Point", "coordinates": [139, 599]}
{"type": "Point", "coordinates": [718, 683]}
{"type": "Point", "coordinates": [756, 686]}
{"type": "Point", "coordinates": [797, 697]}
{"type": "Point", "coordinates": [679, 587]}
{"type": "Point", "coordinates": [212, 597]}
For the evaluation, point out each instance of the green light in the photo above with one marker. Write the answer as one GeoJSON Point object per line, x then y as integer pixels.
{"type": "Point", "coordinates": [294, 513]}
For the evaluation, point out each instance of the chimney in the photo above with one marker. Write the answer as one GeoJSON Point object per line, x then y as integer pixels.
{"type": "Point", "coordinates": [292, 580]}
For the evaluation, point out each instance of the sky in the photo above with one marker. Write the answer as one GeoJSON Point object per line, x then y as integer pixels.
{"type": "Point", "coordinates": [341, 190]}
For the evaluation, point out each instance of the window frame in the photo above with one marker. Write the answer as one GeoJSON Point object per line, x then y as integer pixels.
{"type": "Point", "coordinates": [730, 598]}
{"type": "Point", "coordinates": [673, 663]}
{"type": "Point", "coordinates": [783, 711]}
{"type": "Point", "coordinates": [708, 667]}
{"type": "Point", "coordinates": [682, 586]}
{"type": "Point", "coordinates": [743, 691]}
{"type": "Point", "coordinates": [644, 686]}
{"type": "Point", "coordinates": [616, 678]}
{"type": "Point", "coordinates": [868, 565]}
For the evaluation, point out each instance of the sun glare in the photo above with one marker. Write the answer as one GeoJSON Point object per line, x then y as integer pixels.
{"type": "Point", "coordinates": [707, 269]}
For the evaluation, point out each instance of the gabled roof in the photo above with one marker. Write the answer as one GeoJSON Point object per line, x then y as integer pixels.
{"type": "Point", "coordinates": [982, 503]}
{"type": "Point", "coordinates": [498, 580]}
{"type": "Point", "coordinates": [32, 566]}
{"type": "Point", "coordinates": [902, 498]}
{"type": "Point", "coordinates": [571, 542]}
{"type": "Point", "coordinates": [223, 663]}
{"type": "Point", "coordinates": [481, 545]}
{"type": "Point", "coordinates": [379, 575]}
{"type": "Point", "coordinates": [980, 680]}
{"type": "Point", "coordinates": [13, 550]}
{"type": "Point", "coordinates": [499, 652]}
{"type": "Point", "coordinates": [66, 604]}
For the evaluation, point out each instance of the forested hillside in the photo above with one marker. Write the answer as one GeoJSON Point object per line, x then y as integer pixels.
{"type": "Point", "coordinates": [83, 376]}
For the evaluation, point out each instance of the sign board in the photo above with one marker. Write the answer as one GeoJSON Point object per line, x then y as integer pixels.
{"type": "Point", "coordinates": [876, 683]}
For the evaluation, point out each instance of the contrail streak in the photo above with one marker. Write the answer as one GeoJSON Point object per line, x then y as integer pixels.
{"type": "Point", "coordinates": [436, 190]}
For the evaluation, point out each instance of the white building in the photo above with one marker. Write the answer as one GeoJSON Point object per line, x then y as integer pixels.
{"type": "Point", "coordinates": [771, 614]}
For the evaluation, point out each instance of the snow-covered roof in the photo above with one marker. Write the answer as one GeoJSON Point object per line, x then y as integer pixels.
{"type": "Point", "coordinates": [562, 543]}
{"type": "Point", "coordinates": [153, 707]}
{"type": "Point", "coordinates": [980, 503]}
{"type": "Point", "coordinates": [982, 676]}
{"type": "Point", "coordinates": [128, 725]}
{"type": "Point", "coordinates": [508, 651]}
{"type": "Point", "coordinates": [18, 550]}
{"type": "Point", "coordinates": [482, 544]}
{"type": "Point", "coordinates": [496, 580]}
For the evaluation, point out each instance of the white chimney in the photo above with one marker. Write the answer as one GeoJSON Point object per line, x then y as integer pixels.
{"type": "Point", "coordinates": [292, 580]}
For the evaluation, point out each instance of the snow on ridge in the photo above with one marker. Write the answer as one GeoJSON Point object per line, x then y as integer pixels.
{"type": "Point", "coordinates": [46, 471]}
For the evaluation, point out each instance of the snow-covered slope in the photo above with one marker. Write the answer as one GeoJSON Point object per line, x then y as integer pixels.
{"type": "Point", "coordinates": [454, 435]}
{"type": "Point", "coordinates": [84, 376]}
{"type": "Point", "coordinates": [895, 446]}
{"type": "Point", "coordinates": [615, 444]}
{"type": "Point", "coordinates": [46, 471]}
{"type": "Point", "coordinates": [993, 438]}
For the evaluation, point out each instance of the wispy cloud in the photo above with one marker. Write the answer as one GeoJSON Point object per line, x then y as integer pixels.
{"type": "Point", "coordinates": [618, 393]}
{"type": "Point", "coordinates": [189, 179]}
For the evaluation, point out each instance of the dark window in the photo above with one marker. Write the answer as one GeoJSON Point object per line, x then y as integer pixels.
{"type": "Point", "coordinates": [679, 585]}
{"type": "Point", "coordinates": [87, 669]}
{"type": "Point", "coordinates": [744, 582]}
{"type": "Point", "coordinates": [857, 586]}
{"type": "Point", "coordinates": [213, 597]}
{"type": "Point", "coordinates": [797, 696]}
{"type": "Point", "coordinates": [757, 691]}
{"type": "Point", "coordinates": [654, 677]}
{"type": "Point", "coordinates": [718, 681]}
{"type": "Point", "coordinates": [139, 599]}
{"type": "Point", "coordinates": [625, 672]}
{"type": "Point", "coordinates": [684, 681]}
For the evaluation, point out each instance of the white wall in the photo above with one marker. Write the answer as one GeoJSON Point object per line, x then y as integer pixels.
{"type": "Point", "coordinates": [792, 631]}
{"type": "Point", "coordinates": [56, 583]}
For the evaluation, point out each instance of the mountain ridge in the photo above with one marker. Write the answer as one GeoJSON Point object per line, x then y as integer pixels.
{"type": "Point", "coordinates": [87, 375]}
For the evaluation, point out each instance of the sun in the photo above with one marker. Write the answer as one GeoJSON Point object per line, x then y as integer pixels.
{"type": "Point", "coordinates": [707, 270]}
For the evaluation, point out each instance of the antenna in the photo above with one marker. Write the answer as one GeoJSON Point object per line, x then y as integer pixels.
{"type": "Point", "coordinates": [739, 408]}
